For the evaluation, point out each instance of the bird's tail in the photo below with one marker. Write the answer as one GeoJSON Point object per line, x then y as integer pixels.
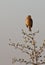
{"type": "Point", "coordinates": [30, 29]}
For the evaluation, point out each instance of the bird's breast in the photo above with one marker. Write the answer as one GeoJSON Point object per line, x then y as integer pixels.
{"type": "Point", "coordinates": [27, 22]}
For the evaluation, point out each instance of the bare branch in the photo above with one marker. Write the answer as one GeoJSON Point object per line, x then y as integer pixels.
{"type": "Point", "coordinates": [20, 60]}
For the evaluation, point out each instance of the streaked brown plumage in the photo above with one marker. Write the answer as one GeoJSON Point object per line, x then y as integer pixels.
{"type": "Point", "coordinates": [29, 22]}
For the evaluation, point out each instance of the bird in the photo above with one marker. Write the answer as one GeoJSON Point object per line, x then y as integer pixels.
{"type": "Point", "coordinates": [29, 22]}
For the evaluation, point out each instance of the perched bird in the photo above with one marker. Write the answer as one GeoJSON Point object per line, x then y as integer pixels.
{"type": "Point", "coordinates": [29, 22]}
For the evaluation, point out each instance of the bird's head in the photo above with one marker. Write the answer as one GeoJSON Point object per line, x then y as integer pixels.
{"type": "Point", "coordinates": [29, 16]}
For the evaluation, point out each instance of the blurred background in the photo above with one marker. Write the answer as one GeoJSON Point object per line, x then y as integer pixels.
{"type": "Point", "coordinates": [12, 20]}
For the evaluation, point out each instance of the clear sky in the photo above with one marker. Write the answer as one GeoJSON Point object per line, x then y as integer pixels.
{"type": "Point", "coordinates": [12, 20]}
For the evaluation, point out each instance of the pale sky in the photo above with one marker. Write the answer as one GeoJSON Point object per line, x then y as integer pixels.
{"type": "Point", "coordinates": [12, 20]}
